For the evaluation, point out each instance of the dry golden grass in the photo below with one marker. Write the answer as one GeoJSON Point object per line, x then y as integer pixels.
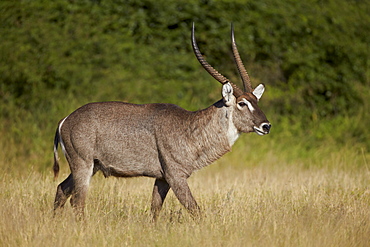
{"type": "Point", "coordinates": [268, 204]}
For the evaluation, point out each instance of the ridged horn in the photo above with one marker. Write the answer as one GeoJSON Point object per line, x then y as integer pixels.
{"type": "Point", "coordinates": [213, 72]}
{"type": "Point", "coordinates": [241, 68]}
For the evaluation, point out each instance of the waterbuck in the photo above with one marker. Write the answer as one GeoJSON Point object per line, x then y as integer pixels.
{"type": "Point", "coordinates": [162, 141]}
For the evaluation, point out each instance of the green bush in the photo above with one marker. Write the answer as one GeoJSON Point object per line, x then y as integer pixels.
{"type": "Point", "coordinates": [313, 57]}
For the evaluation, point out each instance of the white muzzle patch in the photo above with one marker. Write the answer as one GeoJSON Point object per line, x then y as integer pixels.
{"type": "Point", "coordinates": [263, 129]}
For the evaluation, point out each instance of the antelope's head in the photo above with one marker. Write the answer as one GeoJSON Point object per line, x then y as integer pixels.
{"type": "Point", "coordinates": [247, 116]}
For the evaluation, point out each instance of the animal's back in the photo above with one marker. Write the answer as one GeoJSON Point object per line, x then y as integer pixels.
{"type": "Point", "coordinates": [123, 137]}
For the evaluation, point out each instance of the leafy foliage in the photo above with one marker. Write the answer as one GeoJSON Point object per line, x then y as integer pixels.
{"type": "Point", "coordinates": [314, 50]}
{"type": "Point", "coordinates": [312, 55]}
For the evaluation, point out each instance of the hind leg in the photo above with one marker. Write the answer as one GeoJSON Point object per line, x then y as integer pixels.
{"type": "Point", "coordinates": [81, 179]}
{"type": "Point", "coordinates": [64, 191]}
{"type": "Point", "coordinates": [160, 191]}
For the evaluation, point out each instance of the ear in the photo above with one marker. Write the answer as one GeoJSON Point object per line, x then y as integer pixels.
{"type": "Point", "coordinates": [258, 91]}
{"type": "Point", "coordinates": [227, 94]}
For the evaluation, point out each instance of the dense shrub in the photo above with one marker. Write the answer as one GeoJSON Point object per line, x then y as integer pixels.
{"type": "Point", "coordinates": [313, 50]}
{"type": "Point", "coordinates": [312, 55]}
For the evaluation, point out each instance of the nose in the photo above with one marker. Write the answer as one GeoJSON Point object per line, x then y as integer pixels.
{"type": "Point", "coordinates": [266, 127]}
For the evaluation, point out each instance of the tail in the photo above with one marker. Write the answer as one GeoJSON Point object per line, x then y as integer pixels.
{"type": "Point", "coordinates": [56, 157]}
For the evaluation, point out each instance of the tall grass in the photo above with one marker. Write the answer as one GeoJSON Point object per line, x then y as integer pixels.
{"type": "Point", "coordinates": [265, 202]}
{"type": "Point", "coordinates": [306, 184]}
{"type": "Point", "coordinates": [282, 189]}
{"type": "Point", "coordinates": [299, 186]}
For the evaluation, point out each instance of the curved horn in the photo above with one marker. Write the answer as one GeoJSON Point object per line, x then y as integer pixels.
{"type": "Point", "coordinates": [242, 71]}
{"type": "Point", "coordinates": [213, 72]}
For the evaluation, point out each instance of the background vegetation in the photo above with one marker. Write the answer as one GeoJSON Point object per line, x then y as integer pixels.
{"type": "Point", "coordinates": [313, 56]}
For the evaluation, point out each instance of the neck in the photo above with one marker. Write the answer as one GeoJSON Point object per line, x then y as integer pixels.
{"type": "Point", "coordinates": [213, 132]}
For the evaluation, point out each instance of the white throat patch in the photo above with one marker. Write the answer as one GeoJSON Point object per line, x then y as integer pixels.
{"type": "Point", "coordinates": [232, 131]}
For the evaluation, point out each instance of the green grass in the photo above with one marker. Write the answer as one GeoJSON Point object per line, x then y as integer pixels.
{"type": "Point", "coordinates": [264, 202]}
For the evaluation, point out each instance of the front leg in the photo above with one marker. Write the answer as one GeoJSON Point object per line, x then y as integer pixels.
{"type": "Point", "coordinates": [160, 191]}
{"type": "Point", "coordinates": [181, 189]}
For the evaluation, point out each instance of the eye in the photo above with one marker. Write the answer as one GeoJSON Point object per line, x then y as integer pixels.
{"type": "Point", "coordinates": [242, 104]}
